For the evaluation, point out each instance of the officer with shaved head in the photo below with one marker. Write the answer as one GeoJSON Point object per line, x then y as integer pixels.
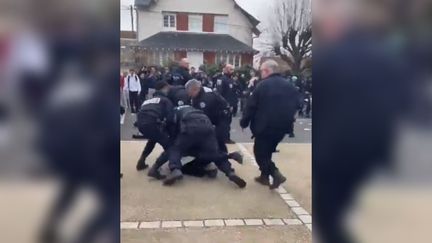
{"type": "Point", "coordinates": [230, 91]}
{"type": "Point", "coordinates": [181, 74]}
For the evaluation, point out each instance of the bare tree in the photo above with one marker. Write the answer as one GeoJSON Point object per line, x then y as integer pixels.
{"type": "Point", "coordinates": [291, 34]}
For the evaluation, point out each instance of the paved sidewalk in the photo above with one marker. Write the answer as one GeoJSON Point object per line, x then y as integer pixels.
{"type": "Point", "coordinates": [215, 210]}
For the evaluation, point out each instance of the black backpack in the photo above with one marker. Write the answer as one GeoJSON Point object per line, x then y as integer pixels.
{"type": "Point", "coordinates": [195, 121]}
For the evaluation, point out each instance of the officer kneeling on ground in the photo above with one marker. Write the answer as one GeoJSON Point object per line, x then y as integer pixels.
{"type": "Point", "coordinates": [152, 121]}
{"type": "Point", "coordinates": [196, 132]}
{"type": "Point", "coordinates": [179, 96]}
{"type": "Point", "coordinates": [270, 111]}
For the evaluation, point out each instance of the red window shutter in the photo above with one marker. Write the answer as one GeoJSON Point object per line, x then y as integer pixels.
{"type": "Point", "coordinates": [209, 57]}
{"type": "Point", "coordinates": [246, 59]}
{"type": "Point", "coordinates": [208, 23]}
{"type": "Point", "coordinates": [179, 55]}
{"type": "Point", "coordinates": [182, 21]}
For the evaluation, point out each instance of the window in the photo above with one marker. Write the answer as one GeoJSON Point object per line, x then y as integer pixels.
{"type": "Point", "coordinates": [169, 21]}
{"type": "Point", "coordinates": [224, 58]}
{"type": "Point", "coordinates": [237, 61]}
{"type": "Point", "coordinates": [231, 58]}
{"type": "Point", "coordinates": [221, 24]}
{"type": "Point", "coordinates": [220, 58]}
{"type": "Point", "coordinates": [195, 22]}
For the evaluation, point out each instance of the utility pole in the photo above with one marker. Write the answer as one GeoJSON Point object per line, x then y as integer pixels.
{"type": "Point", "coordinates": [132, 18]}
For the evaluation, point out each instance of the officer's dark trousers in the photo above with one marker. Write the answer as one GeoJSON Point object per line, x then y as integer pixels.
{"type": "Point", "coordinates": [142, 96]}
{"type": "Point", "coordinates": [264, 146]}
{"type": "Point", "coordinates": [234, 106]}
{"type": "Point", "coordinates": [308, 108]}
{"type": "Point", "coordinates": [243, 103]}
{"type": "Point", "coordinates": [206, 147]}
{"type": "Point", "coordinates": [222, 137]}
{"type": "Point", "coordinates": [134, 101]}
{"type": "Point", "coordinates": [223, 133]}
{"type": "Point", "coordinates": [155, 134]}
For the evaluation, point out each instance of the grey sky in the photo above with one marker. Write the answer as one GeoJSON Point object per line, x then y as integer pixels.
{"type": "Point", "coordinates": [255, 7]}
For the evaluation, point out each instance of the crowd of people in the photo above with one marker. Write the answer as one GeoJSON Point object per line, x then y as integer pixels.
{"type": "Point", "coordinates": [242, 87]}
{"type": "Point", "coordinates": [189, 113]}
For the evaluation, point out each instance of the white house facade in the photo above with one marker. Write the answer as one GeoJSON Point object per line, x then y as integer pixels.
{"type": "Point", "coordinates": [207, 32]}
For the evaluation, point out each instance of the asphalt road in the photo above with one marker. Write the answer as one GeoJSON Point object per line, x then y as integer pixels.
{"type": "Point", "coordinates": [302, 130]}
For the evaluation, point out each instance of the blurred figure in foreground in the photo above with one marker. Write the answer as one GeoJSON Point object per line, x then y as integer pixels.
{"type": "Point", "coordinates": [61, 89]}
{"type": "Point", "coordinates": [364, 81]}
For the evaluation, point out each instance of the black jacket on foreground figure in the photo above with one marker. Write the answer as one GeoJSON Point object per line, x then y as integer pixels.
{"type": "Point", "coordinates": [156, 110]}
{"type": "Point", "coordinates": [271, 106]}
{"type": "Point", "coordinates": [180, 76]}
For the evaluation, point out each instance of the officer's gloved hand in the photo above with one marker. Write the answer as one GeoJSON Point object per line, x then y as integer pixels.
{"type": "Point", "coordinates": [243, 123]}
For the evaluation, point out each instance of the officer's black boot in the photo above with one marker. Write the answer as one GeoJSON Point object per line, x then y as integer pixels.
{"type": "Point", "coordinates": [175, 175]}
{"type": "Point", "coordinates": [154, 172]}
{"type": "Point", "coordinates": [141, 165]}
{"type": "Point", "coordinates": [212, 173]}
{"type": "Point", "coordinates": [263, 179]}
{"type": "Point", "coordinates": [278, 179]}
{"type": "Point", "coordinates": [237, 156]}
{"type": "Point", "coordinates": [211, 170]}
{"type": "Point", "coordinates": [237, 180]}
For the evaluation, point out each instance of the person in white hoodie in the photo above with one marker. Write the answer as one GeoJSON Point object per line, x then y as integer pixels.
{"type": "Point", "coordinates": [133, 85]}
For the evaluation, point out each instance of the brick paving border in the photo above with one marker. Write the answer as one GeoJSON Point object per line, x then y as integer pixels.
{"type": "Point", "coordinates": [304, 217]}
{"type": "Point", "coordinates": [207, 223]}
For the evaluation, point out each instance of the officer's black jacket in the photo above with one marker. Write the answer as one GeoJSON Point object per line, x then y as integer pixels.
{"type": "Point", "coordinates": [167, 77]}
{"type": "Point", "coordinates": [272, 105]}
{"type": "Point", "coordinates": [159, 109]}
{"type": "Point", "coordinates": [228, 88]}
{"type": "Point", "coordinates": [180, 76]}
{"type": "Point", "coordinates": [178, 95]}
{"type": "Point", "coordinates": [213, 105]}
{"type": "Point", "coordinates": [183, 111]}
{"type": "Point", "coordinates": [207, 82]}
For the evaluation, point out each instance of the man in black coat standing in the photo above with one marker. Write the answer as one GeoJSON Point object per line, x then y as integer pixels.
{"type": "Point", "coordinates": [270, 112]}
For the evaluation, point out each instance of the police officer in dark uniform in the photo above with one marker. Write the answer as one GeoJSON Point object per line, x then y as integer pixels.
{"type": "Point", "coordinates": [181, 75]}
{"type": "Point", "coordinates": [229, 89]}
{"type": "Point", "coordinates": [196, 132]}
{"type": "Point", "coordinates": [270, 112]}
{"type": "Point", "coordinates": [152, 121]}
{"type": "Point", "coordinates": [214, 106]}
{"type": "Point", "coordinates": [179, 97]}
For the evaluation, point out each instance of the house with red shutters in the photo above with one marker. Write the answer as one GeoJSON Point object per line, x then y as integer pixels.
{"type": "Point", "coordinates": [204, 31]}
